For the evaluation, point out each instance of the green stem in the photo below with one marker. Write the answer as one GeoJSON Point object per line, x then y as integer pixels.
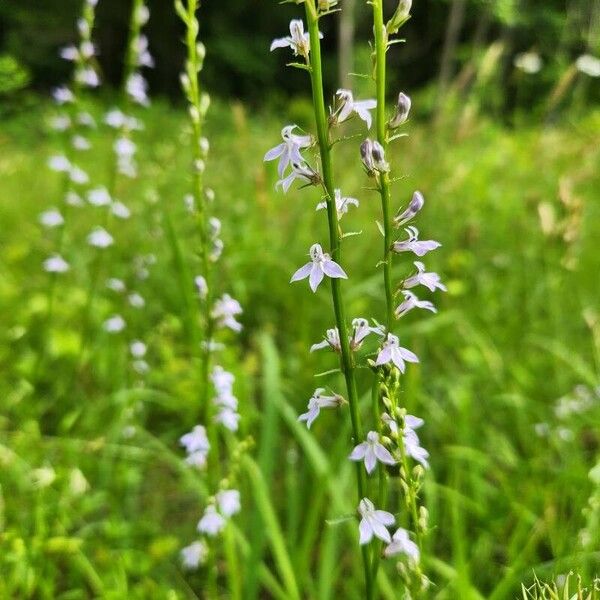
{"type": "Point", "coordinates": [347, 360]}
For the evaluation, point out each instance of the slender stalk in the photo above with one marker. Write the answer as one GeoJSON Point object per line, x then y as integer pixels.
{"type": "Point", "coordinates": [347, 359]}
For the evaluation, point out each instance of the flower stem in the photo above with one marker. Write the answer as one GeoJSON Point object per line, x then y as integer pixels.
{"type": "Point", "coordinates": [316, 75]}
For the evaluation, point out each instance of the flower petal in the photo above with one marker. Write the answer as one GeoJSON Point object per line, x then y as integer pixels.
{"type": "Point", "coordinates": [302, 272]}
{"type": "Point", "coordinates": [332, 269]}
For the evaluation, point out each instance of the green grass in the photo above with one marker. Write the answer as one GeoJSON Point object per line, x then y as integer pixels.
{"type": "Point", "coordinates": [519, 329]}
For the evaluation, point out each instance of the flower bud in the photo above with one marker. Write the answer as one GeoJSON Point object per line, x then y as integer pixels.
{"type": "Point", "coordinates": [400, 17]}
{"type": "Point", "coordinates": [402, 110]}
{"type": "Point", "coordinates": [204, 104]}
{"type": "Point", "coordinates": [373, 157]}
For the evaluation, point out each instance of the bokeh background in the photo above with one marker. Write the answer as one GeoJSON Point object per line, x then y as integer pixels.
{"type": "Point", "coordinates": [504, 141]}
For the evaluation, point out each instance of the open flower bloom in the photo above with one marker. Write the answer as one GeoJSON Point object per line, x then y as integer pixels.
{"type": "Point", "coordinates": [59, 163]}
{"type": "Point", "coordinates": [410, 302]}
{"type": "Point", "coordinates": [298, 40]}
{"type": "Point", "coordinates": [372, 155]}
{"type": "Point", "coordinates": [341, 204]}
{"type": "Point", "coordinates": [391, 351]}
{"type": "Point", "coordinates": [224, 312]}
{"type": "Point", "coordinates": [56, 264]}
{"type": "Point", "coordinates": [374, 522]}
{"type": "Point", "coordinates": [99, 197]}
{"type": "Point", "coordinates": [229, 418]}
{"type": "Point", "coordinates": [195, 440]}
{"type": "Point", "coordinates": [402, 544]}
{"type": "Point", "coordinates": [413, 244]}
{"type": "Point", "coordinates": [193, 555]}
{"type": "Point", "coordinates": [360, 330]}
{"type": "Point", "coordinates": [413, 448]}
{"type": "Point", "coordinates": [414, 206]}
{"type": "Point", "coordinates": [332, 339]}
{"type": "Point", "coordinates": [347, 105]}
{"type": "Point", "coordinates": [288, 152]}
{"type": "Point", "coordinates": [430, 280]}
{"type": "Point", "coordinates": [100, 238]}
{"type": "Point", "coordinates": [229, 502]}
{"type": "Point", "coordinates": [114, 324]}
{"type": "Point", "coordinates": [197, 459]}
{"type": "Point", "coordinates": [222, 379]}
{"type": "Point", "coordinates": [51, 218]}
{"type": "Point", "coordinates": [320, 265]}
{"type": "Point", "coordinates": [302, 171]}
{"type": "Point", "coordinates": [371, 451]}
{"type": "Point", "coordinates": [316, 403]}
{"type": "Point", "coordinates": [211, 522]}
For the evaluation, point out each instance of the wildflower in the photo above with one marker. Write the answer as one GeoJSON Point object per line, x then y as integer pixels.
{"type": "Point", "coordinates": [211, 522]}
{"type": "Point", "coordinates": [201, 286]}
{"type": "Point", "coordinates": [78, 175]}
{"type": "Point", "coordinates": [144, 58]}
{"type": "Point", "coordinates": [222, 379]}
{"type": "Point", "coordinates": [80, 143]}
{"type": "Point", "coordinates": [52, 218]}
{"type": "Point", "coordinates": [137, 89]}
{"type": "Point", "coordinates": [136, 300]}
{"type": "Point", "coordinates": [63, 95]}
{"type": "Point", "coordinates": [229, 502]}
{"type": "Point", "coordinates": [116, 285]}
{"type": "Point", "coordinates": [410, 302]}
{"type": "Point", "coordinates": [528, 62]}
{"type": "Point", "coordinates": [300, 171]}
{"type": "Point", "coordinates": [56, 264]}
{"type": "Point", "coordinates": [320, 265]}
{"type": "Point", "coordinates": [60, 123]}
{"type": "Point", "coordinates": [225, 310]}
{"type": "Point", "coordinates": [390, 423]}
{"type": "Point", "coordinates": [59, 163]}
{"type": "Point", "coordinates": [402, 544]}
{"type": "Point", "coordinates": [100, 238]}
{"type": "Point", "coordinates": [120, 210]}
{"type": "Point", "coordinates": [99, 197]}
{"type": "Point", "coordinates": [360, 330]}
{"type": "Point", "coordinates": [138, 349]}
{"type": "Point", "coordinates": [374, 522]}
{"type": "Point", "coordinates": [391, 351]}
{"type": "Point", "coordinates": [316, 403]}
{"type": "Point", "coordinates": [193, 555]}
{"type": "Point", "coordinates": [342, 204]}
{"type": "Point", "coordinates": [332, 339]}
{"type": "Point", "coordinates": [373, 157]}
{"type": "Point", "coordinates": [229, 418]}
{"type": "Point", "coordinates": [86, 120]}
{"type": "Point", "coordinates": [413, 448]}
{"type": "Point", "coordinates": [298, 40]}
{"type": "Point", "coordinates": [412, 243]}
{"type": "Point", "coordinates": [69, 53]}
{"type": "Point", "coordinates": [288, 151]}
{"type": "Point", "coordinates": [402, 111]}
{"type": "Point", "coordinates": [430, 280]}
{"type": "Point", "coordinates": [197, 459]}
{"type": "Point", "coordinates": [415, 205]}
{"type": "Point", "coordinates": [73, 199]}
{"type": "Point", "coordinates": [195, 440]}
{"type": "Point", "coordinates": [371, 451]}
{"type": "Point", "coordinates": [124, 147]}
{"type": "Point", "coordinates": [114, 324]}
{"type": "Point", "coordinates": [589, 65]}
{"type": "Point", "coordinates": [87, 49]}
{"type": "Point", "coordinates": [88, 76]}
{"type": "Point", "coordinates": [347, 105]}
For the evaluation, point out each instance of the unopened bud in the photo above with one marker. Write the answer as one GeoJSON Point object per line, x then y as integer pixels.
{"type": "Point", "coordinates": [400, 17]}
{"type": "Point", "coordinates": [204, 104]}
{"type": "Point", "coordinates": [402, 110]}
{"type": "Point", "coordinates": [373, 157]}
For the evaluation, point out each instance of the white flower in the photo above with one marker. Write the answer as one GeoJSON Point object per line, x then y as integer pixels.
{"type": "Point", "coordinates": [85, 119]}
{"type": "Point", "coordinates": [100, 238]}
{"type": "Point", "coordinates": [78, 175]}
{"type": "Point", "coordinates": [320, 265]}
{"type": "Point", "coordinates": [414, 206]}
{"type": "Point", "coordinates": [228, 418]}
{"type": "Point", "coordinates": [410, 302]}
{"type": "Point", "coordinates": [56, 264]}
{"type": "Point", "coordinates": [69, 53]}
{"type": "Point", "coordinates": [391, 351]}
{"type": "Point", "coordinates": [120, 210]}
{"type": "Point", "coordinates": [197, 459]}
{"type": "Point", "coordinates": [144, 58]}
{"type": "Point", "coordinates": [87, 49]}
{"type": "Point", "coordinates": [143, 15]}
{"type": "Point", "coordinates": [360, 330]}
{"type": "Point", "coordinates": [374, 522]}
{"type": "Point", "coordinates": [193, 555]}
{"type": "Point", "coordinates": [402, 544]}
{"type": "Point", "coordinates": [137, 89]}
{"type": "Point", "coordinates": [341, 204]}
{"type": "Point", "coordinates": [99, 197]}
{"type": "Point", "coordinates": [211, 522]}
{"type": "Point", "coordinates": [298, 41]}
{"type": "Point", "coordinates": [413, 244]}
{"type": "Point", "coordinates": [589, 65]}
{"type": "Point", "coordinates": [59, 163]}
{"type": "Point", "coordinates": [528, 62]}
{"type": "Point", "coordinates": [43, 477]}
{"type": "Point", "coordinates": [402, 111]}
{"type": "Point", "coordinates": [80, 143]}
{"type": "Point", "coordinates": [136, 300]}
{"type": "Point", "coordinates": [124, 147]}
{"type": "Point", "coordinates": [73, 199]}
{"type": "Point", "coordinates": [300, 171]}
{"type": "Point", "coordinates": [412, 446]}
{"type": "Point", "coordinates": [332, 339]}
{"type": "Point", "coordinates": [51, 218]}
{"type": "Point", "coordinates": [115, 118]}
{"type": "Point", "coordinates": [63, 95]}
{"type": "Point", "coordinates": [201, 286]}
{"type": "Point", "coordinates": [138, 349]}
{"type": "Point", "coordinates": [391, 423]}
{"type": "Point", "coordinates": [60, 123]}
{"type": "Point", "coordinates": [372, 155]}
{"type": "Point", "coordinates": [196, 440]}
{"type": "Point", "coordinates": [371, 451]}
{"type": "Point", "coordinates": [288, 151]}
{"type": "Point", "coordinates": [316, 403]}
{"type": "Point", "coordinates": [430, 280]}
{"type": "Point", "coordinates": [116, 285]}
{"type": "Point", "coordinates": [222, 379]}
{"type": "Point", "coordinates": [347, 105]}
{"type": "Point", "coordinates": [114, 324]}
{"type": "Point", "coordinates": [224, 311]}
{"type": "Point", "coordinates": [88, 76]}
{"type": "Point", "coordinates": [228, 502]}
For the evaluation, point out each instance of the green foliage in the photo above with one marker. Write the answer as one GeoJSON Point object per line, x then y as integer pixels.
{"type": "Point", "coordinates": [13, 76]}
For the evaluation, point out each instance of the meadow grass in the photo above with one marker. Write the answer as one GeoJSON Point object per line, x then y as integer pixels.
{"type": "Point", "coordinates": [95, 500]}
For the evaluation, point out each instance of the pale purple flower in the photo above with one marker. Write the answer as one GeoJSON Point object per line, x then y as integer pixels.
{"type": "Point", "coordinates": [347, 105]}
{"type": "Point", "coordinates": [298, 40]}
{"type": "Point", "coordinates": [301, 171]}
{"type": "Point", "coordinates": [100, 238]}
{"type": "Point", "coordinates": [391, 424]}
{"type": "Point", "coordinates": [332, 339]}
{"type": "Point", "coordinates": [201, 287]}
{"type": "Point", "coordinates": [371, 451]}
{"type": "Point", "coordinates": [69, 53]}
{"type": "Point", "coordinates": [194, 555]}
{"type": "Point", "coordinates": [402, 544]}
{"type": "Point", "coordinates": [116, 285]}
{"type": "Point", "coordinates": [86, 120]}
{"type": "Point", "coordinates": [288, 151]}
{"type": "Point", "coordinates": [391, 351]}
{"type": "Point", "coordinates": [197, 459]}
{"type": "Point", "coordinates": [228, 502]}
{"type": "Point", "coordinates": [360, 330]}
{"type": "Point", "coordinates": [124, 147]}
{"type": "Point", "coordinates": [138, 349]}
{"type": "Point", "coordinates": [373, 157]}
{"type": "Point", "coordinates": [114, 324]}
{"type": "Point", "coordinates": [137, 89]}
{"type": "Point", "coordinates": [63, 95]}
{"type": "Point", "coordinates": [342, 204]}
{"type": "Point", "coordinates": [87, 49]}
{"type": "Point", "coordinates": [88, 77]}
{"type": "Point", "coordinates": [115, 118]}
{"type": "Point", "coordinates": [80, 143]}
{"type": "Point", "coordinates": [60, 123]}
{"type": "Point", "coordinates": [136, 300]}
{"type": "Point", "coordinates": [73, 199]}
{"type": "Point", "coordinates": [51, 218]}
{"type": "Point", "coordinates": [144, 58]}
{"type": "Point", "coordinates": [78, 176]}
{"type": "Point", "coordinates": [196, 440]}
{"type": "Point", "coordinates": [316, 403]}
{"type": "Point", "coordinates": [229, 418]}
{"type": "Point", "coordinates": [59, 164]}
{"type": "Point", "coordinates": [224, 312]}
{"type": "Point", "coordinates": [56, 264]}
{"type": "Point", "coordinates": [413, 244]}
{"type": "Point", "coordinates": [320, 265]}
{"type": "Point", "coordinates": [402, 110]}
{"type": "Point", "coordinates": [120, 210]}
{"type": "Point", "coordinates": [410, 302]}
{"type": "Point", "coordinates": [222, 379]}
{"type": "Point", "coordinates": [211, 522]}
{"type": "Point", "coordinates": [413, 448]}
{"type": "Point", "coordinates": [430, 280]}
{"type": "Point", "coordinates": [374, 522]}
{"type": "Point", "coordinates": [414, 206]}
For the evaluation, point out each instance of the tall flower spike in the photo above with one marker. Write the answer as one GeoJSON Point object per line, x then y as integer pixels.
{"type": "Point", "coordinates": [413, 244]}
{"type": "Point", "coordinates": [374, 522]}
{"type": "Point", "coordinates": [320, 265]}
{"type": "Point", "coordinates": [288, 151]}
{"type": "Point", "coordinates": [430, 280]}
{"type": "Point", "coordinates": [316, 403]}
{"type": "Point", "coordinates": [346, 105]}
{"type": "Point", "coordinates": [415, 205]}
{"type": "Point", "coordinates": [371, 451]}
{"type": "Point", "coordinates": [391, 351]}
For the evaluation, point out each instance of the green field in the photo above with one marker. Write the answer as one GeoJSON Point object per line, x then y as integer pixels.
{"type": "Point", "coordinates": [95, 498]}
